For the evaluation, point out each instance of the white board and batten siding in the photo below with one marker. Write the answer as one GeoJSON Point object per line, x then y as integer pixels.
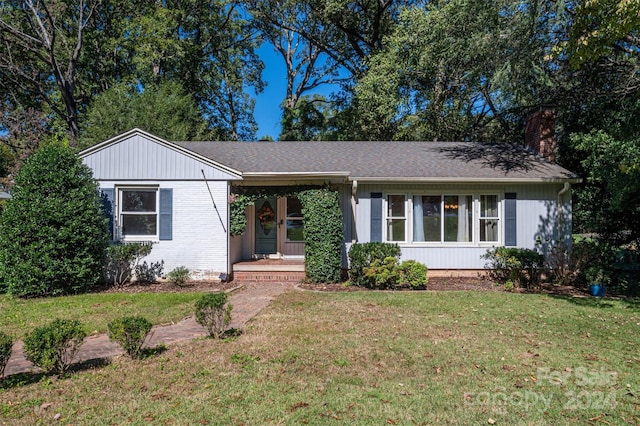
{"type": "Point", "coordinates": [536, 220]}
{"type": "Point", "coordinates": [199, 223]}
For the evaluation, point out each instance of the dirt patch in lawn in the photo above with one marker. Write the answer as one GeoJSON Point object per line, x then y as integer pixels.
{"type": "Point", "coordinates": [434, 284]}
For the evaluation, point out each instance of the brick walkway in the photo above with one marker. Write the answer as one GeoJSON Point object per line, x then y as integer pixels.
{"type": "Point", "coordinates": [247, 300]}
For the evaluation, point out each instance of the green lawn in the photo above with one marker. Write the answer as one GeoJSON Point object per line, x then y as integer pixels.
{"type": "Point", "coordinates": [365, 358]}
{"type": "Point", "coordinates": [20, 316]}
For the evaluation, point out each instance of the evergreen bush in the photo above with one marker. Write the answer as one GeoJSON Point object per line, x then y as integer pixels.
{"type": "Point", "coordinates": [412, 274]}
{"type": "Point", "coordinates": [214, 313]}
{"type": "Point", "coordinates": [179, 276]}
{"type": "Point", "coordinates": [323, 235]}
{"type": "Point", "coordinates": [363, 255]}
{"type": "Point", "coordinates": [53, 233]}
{"type": "Point", "coordinates": [523, 267]}
{"type": "Point", "coordinates": [130, 333]}
{"type": "Point", "coordinates": [53, 346]}
{"type": "Point", "coordinates": [122, 261]}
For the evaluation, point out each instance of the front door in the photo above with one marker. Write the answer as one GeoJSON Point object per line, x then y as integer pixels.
{"type": "Point", "coordinates": [266, 229]}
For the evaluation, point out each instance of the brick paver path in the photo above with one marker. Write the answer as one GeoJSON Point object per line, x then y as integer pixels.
{"type": "Point", "coordinates": [247, 300]}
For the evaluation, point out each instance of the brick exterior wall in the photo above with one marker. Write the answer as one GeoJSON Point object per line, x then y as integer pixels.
{"type": "Point", "coordinates": [540, 132]}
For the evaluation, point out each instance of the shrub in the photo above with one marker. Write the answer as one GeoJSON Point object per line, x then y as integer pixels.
{"type": "Point", "coordinates": [323, 235]}
{"type": "Point", "coordinates": [149, 273]}
{"type": "Point", "coordinates": [53, 233]}
{"type": "Point", "coordinates": [382, 274]}
{"type": "Point", "coordinates": [362, 255]}
{"type": "Point", "coordinates": [412, 274]}
{"type": "Point", "coordinates": [130, 333]}
{"type": "Point", "coordinates": [122, 260]}
{"type": "Point", "coordinates": [6, 347]}
{"type": "Point", "coordinates": [521, 266]}
{"type": "Point", "coordinates": [214, 313]}
{"type": "Point", "coordinates": [179, 276]}
{"type": "Point", "coordinates": [52, 347]}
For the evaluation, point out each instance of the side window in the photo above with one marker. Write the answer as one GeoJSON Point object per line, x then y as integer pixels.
{"type": "Point", "coordinates": [295, 222]}
{"type": "Point", "coordinates": [489, 218]}
{"type": "Point", "coordinates": [396, 217]}
{"type": "Point", "coordinates": [138, 212]}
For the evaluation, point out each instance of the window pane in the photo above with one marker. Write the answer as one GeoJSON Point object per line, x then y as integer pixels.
{"type": "Point", "coordinates": [458, 216]}
{"type": "Point", "coordinates": [426, 218]}
{"type": "Point", "coordinates": [139, 201]}
{"type": "Point", "coordinates": [139, 224]}
{"type": "Point", "coordinates": [395, 229]}
{"type": "Point", "coordinates": [395, 205]}
{"type": "Point", "coordinates": [488, 206]}
{"type": "Point", "coordinates": [488, 230]}
{"type": "Point", "coordinates": [295, 224]}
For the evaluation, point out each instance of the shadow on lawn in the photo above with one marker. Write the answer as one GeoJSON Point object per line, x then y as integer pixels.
{"type": "Point", "coordinates": [24, 379]}
{"type": "Point", "coordinates": [632, 303]}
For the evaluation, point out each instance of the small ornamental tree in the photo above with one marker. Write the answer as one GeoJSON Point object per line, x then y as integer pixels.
{"type": "Point", "coordinates": [53, 234]}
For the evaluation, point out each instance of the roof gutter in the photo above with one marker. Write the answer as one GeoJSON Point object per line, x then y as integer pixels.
{"type": "Point", "coordinates": [467, 180]}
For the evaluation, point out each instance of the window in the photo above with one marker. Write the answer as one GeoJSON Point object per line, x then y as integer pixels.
{"type": "Point", "coordinates": [295, 222]}
{"type": "Point", "coordinates": [489, 218]}
{"type": "Point", "coordinates": [396, 218]}
{"type": "Point", "coordinates": [451, 219]}
{"type": "Point", "coordinates": [138, 212]}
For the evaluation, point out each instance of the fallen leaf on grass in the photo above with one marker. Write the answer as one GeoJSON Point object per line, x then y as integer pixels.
{"type": "Point", "coordinates": [297, 405]}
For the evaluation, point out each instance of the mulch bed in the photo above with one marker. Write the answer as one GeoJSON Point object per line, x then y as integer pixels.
{"type": "Point", "coordinates": [435, 284]}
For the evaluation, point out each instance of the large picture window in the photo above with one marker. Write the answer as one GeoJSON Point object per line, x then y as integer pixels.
{"type": "Point", "coordinates": [138, 212]}
{"type": "Point", "coordinates": [450, 218]}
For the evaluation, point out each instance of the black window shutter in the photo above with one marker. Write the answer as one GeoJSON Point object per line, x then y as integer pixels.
{"type": "Point", "coordinates": [510, 226]}
{"type": "Point", "coordinates": [108, 195]}
{"type": "Point", "coordinates": [166, 214]}
{"type": "Point", "coordinates": [376, 217]}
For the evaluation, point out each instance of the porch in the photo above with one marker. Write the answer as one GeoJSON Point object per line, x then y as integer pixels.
{"type": "Point", "coordinates": [269, 270]}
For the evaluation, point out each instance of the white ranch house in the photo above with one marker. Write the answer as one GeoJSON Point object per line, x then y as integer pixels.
{"type": "Point", "coordinates": [444, 203]}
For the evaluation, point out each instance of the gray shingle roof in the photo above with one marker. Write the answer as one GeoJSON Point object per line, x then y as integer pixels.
{"type": "Point", "coordinates": [453, 161]}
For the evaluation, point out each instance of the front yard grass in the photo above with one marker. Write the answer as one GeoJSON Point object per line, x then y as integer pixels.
{"type": "Point", "coordinates": [20, 316]}
{"type": "Point", "coordinates": [365, 358]}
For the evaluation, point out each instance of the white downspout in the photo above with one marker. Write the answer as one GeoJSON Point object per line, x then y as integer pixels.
{"type": "Point", "coordinates": [354, 192]}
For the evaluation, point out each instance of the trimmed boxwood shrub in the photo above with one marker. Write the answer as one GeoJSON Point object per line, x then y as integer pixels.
{"type": "Point", "coordinates": [323, 235]}
{"type": "Point", "coordinates": [130, 333]}
{"type": "Point", "coordinates": [214, 313]}
{"type": "Point", "coordinates": [412, 274]}
{"type": "Point", "coordinates": [53, 346]}
{"type": "Point", "coordinates": [363, 255]}
{"type": "Point", "coordinates": [53, 233]}
{"type": "Point", "coordinates": [6, 347]}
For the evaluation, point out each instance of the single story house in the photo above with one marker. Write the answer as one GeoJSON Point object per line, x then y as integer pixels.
{"type": "Point", "coordinates": [444, 203]}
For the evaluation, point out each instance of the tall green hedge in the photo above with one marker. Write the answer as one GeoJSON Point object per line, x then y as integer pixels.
{"type": "Point", "coordinates": [323, 234]}
{"type": "Point", "coordinates": [53, 234]}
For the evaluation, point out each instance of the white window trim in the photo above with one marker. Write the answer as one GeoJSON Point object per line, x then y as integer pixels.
{"type": "Point", "coordinates": [386, 217]}
{"type": "Point", "coordinates": [475, 235]}
{"type": "Point", "coordinates": [118, 213]}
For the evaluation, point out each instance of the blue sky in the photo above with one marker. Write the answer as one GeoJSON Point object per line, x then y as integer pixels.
{"type": "Point", "coordinates": [267, 109]}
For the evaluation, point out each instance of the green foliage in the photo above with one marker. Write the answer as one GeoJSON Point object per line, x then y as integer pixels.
{"type": "Point", "coordinates": [237, 212]}
{"type": "Point", "coordinates": [6, 347]}
{"type": "Point", "coordinates": [413, 274]}
{"type": "Point", "coordinates": [130, 333]}
{"type": "Point", "coordinates": [523, 267]}
{"type": "Point", "coordinates": [53, 346]}
{"type": "Point", "coordinates": [166, 111]}
{"type": "Point", "coordinates": [123, 259]}
{"type": "Point", "coordinates": [323, 235]}
{"type": "Point", "coordinates": [53, 234]}
{"type": "Point", "coordinates": [363, 255]}
{"type": "Point", "coordinates": [147, 273]}
{"type": "Point", "coordinates": [382, 274]}
{"type": "Point", "coordinates": [179, 276]}
{"type": "Point", "coordinates": [214, 313]}
{"type": "Point", "coordinates": [608, 201]}
{"type": "Point", "coordinates": [307, 121]}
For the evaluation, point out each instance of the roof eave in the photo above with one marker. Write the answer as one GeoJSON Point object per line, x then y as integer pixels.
{"type": "Point", "coordinates": [465, 179]}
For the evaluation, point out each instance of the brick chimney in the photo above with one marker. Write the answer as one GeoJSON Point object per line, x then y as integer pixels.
{"type": "Point", "coordinates": [540, 132]}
